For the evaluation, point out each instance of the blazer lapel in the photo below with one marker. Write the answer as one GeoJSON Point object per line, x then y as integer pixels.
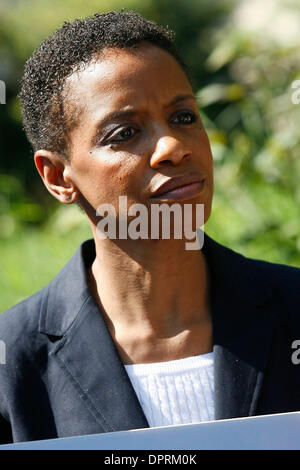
{"type": "Point", "coordinates": [242, 329]}
{"type": "Point", "coordinates": [90, 358]}
{"type": "Point", "coordinates": [86, 352]}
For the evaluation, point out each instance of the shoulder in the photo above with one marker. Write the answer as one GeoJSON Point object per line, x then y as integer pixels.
{"type": "Point", "coordinates": [22, 348]}
{"type": "Point", "coordinates": [278, 271]}
{"type": "Point", "coordinates": [19, 329]}
{"type": "Point", "coordinates": [255, 280]}
{"type": "Point", "coordinates": [21, 323]}
{"type": "Point", "coordinates": [22, 318]}
{"type": "Point", "coordinates": [24, 327]}
{"type": "Point", "coordinates": [278, 274]}
{"type": "Point", "coordinates": [281, 285]}
{"type": "Point", "coordinates": [232, 263]}
{"type": "Point", "coordinates": [283, 277]}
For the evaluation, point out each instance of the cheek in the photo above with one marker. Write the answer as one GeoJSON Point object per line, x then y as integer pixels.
{"type": "Point", "coordinates": [102, 178]}
{"type": "Point", "coordinates": [204, 142]}
{"type": "Point", "coordinates": [204, 150]}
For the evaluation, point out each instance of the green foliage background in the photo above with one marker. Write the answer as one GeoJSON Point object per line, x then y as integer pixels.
{"type": "Point", "coordinates": [244, 58]}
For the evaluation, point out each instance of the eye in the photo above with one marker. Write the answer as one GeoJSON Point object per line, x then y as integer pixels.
{"type": "Point", "coordinates": [121, 135]}
{"type": "Point", "coordinates": [184, 118]}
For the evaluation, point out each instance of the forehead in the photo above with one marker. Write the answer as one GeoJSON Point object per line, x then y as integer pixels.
{"type": "Point", "coordinates": [122, 77]}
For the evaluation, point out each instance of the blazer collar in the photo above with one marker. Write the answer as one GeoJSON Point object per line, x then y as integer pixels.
{"type": "Point", "coordinates": [85, 350]}
{"type": "Point", "coordinates": [231, 275]}
{"type": "Point", "coordinates": [67, 292]}
{"type": "Point", "coordinates": [243, 317]}
{"type": "Point", "coordinates": [242, 333]}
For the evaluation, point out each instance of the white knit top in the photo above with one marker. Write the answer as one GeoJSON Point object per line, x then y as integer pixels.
{"type": "Point", "coordinates": [175, 392]}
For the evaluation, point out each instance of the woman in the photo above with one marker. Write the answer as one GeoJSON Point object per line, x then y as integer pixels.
{"type": "Point", "coordinates": [137, 331]}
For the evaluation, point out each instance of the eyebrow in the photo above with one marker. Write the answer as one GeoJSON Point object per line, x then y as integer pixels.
{"type": "Point", "coordinates": [179, 98]}
{"type": "Point", "coordinates": [115, 115]}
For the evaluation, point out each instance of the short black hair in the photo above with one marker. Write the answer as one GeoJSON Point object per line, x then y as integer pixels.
{"type": "Point", "coordinates": [45, 120]}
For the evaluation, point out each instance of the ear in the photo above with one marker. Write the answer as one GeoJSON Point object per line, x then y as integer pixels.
{"type": "Point", "coordinates": [54, 173]}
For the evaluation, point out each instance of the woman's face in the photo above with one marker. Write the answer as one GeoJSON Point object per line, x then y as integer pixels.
{"type": "Point", "coordinates": [138, 126]}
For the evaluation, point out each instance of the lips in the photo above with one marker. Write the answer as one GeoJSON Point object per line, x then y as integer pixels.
{"type": "Point", "coordinates": [172, 184]}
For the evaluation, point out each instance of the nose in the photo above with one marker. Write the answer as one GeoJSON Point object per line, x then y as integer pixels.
{"type": "Point", "coordinates": [168, 149]}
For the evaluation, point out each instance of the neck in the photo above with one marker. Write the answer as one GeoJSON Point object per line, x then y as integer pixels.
{"type": "Point", "coordinates": [155, 288]}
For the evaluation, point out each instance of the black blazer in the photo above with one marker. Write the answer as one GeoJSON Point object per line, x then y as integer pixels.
{"type": "Point", "coordinates": [63, 375]}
